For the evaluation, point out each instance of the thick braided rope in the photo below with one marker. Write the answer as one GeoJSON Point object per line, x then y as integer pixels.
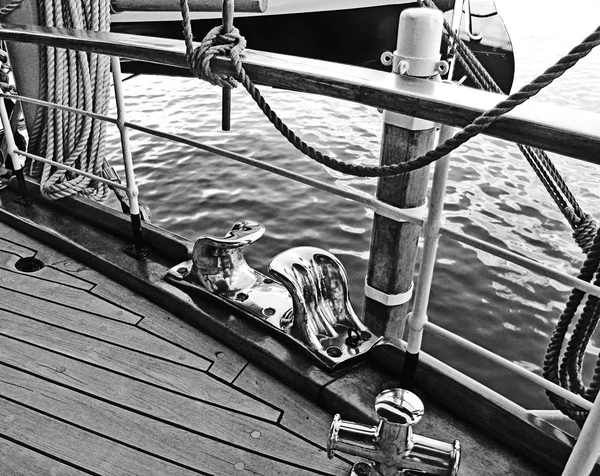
{"type": "Point", "coordinates": [537, 158]}
{"type": "Point", "coordinates": [568, 372]}
{"type": "Point", "coordinates": [79, 80]}
{"type": "Point", "coordinates": [476, 127]}
{"type": "Point", "coordinates": [214, 44]}
{"type": "Point", "coordinates": [473, 129]}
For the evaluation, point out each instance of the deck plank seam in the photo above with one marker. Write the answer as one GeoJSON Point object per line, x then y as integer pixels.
{"type": "Point", "coordinates": [34, 252]}
{"type": "Point", "coordinates": [136, 379]}
{"type": "Point", "coordinates": [161, 420]}
{"type": "Point", "coordinates": [282, 415]}
{"type": "Point", "coordinates": [58, 283]}
{"type": "Point", "coordinates": [105, 341]}
{"type": "Point", "coordinates": [101, 435]}
{"type": "Point", "coordinates": [193, 352]}
{"type": "Point", "coordinates": [48, 455]}
{"type": "Point", "coordinates": [69, 306]}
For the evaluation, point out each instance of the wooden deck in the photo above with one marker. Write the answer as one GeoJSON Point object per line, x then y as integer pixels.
{"type": "Point", "coordinates": [96, 380]}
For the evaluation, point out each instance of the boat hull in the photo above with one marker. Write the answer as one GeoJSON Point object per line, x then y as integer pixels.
{"type": "Point", "coordinates": [355, 36]}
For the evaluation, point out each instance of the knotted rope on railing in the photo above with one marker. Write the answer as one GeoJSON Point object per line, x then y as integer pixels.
{"type": "Point", "coordinates": [79, 80]}
{"type": "Point", "coordinates": [476, 127]}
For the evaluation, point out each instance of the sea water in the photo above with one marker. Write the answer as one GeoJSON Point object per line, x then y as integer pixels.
{"type": "Point", "coordinates": [492, 193]}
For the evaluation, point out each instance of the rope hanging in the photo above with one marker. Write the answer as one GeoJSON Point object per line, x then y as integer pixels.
{"type": "Point", "coordinates": [583, 225]}
{"type": "Point", "coordinates": [567, 374]}
{"type": "Point", "coordinates": [586, 231]}
{"type": "Point", "coordinates": [79, 80]}
{"type": "Point", "coordinates": [197, 57]}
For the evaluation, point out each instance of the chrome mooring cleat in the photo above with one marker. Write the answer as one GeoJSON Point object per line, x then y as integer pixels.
{"type": "Point", "coordinates": [391, 446]}
{"type": "Point", "coordinates": [306, 299]}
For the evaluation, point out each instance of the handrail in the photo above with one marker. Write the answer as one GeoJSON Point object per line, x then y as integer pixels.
{"type": "Point", "coordinates": [378, 206]}
{"type": "Point", "coordinates": [549, 127]}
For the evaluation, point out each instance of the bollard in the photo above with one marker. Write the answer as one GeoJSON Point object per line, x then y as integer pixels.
{"type": "Point", "coordinates": [388, 287]}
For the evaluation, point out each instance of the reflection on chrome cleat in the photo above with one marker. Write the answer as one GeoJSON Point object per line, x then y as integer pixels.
{"type": "Point", "coordinates": [323, 316]}
{"type": "Point", "coordinates": [391, 445]}
{"type": "Point", "coordinates": [306, 300]}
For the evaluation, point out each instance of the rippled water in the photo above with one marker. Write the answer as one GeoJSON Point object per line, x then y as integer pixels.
{"type": "Point", "coordinates": [492, 194]}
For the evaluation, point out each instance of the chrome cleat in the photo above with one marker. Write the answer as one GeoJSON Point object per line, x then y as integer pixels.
{"type": "Point", "coordinates": [306, 300]}
{"type": "Point", "coordinates": [323, 317]}
{"type": "Point", "coordinates": [391, 446]}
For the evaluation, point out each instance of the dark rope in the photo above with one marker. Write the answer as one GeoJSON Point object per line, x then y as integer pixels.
{"type": "Point", "coordinates": [568, 373]}
{"type": "Point", "coordinates": [538, 159]}
{"type": "Point", "coordinates": [197, 57]}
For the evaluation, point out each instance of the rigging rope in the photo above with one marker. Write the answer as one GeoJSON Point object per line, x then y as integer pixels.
{"type": "Point", "coordinates": [583, 225]}
{"type": "Point", "coordinates": [586, 231]}
{"type": "Point", "coordinates": [79, 80]}
{"type": "Point", "coordinates": [197, 57]}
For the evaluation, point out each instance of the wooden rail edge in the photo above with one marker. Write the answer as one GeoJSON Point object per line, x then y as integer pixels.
{"type": "Point", "coordinates": [64, 223]}
{"type": "Point", "coordinates": [549, 127]}
{"type": "Point", "coordinates": [241, 6]}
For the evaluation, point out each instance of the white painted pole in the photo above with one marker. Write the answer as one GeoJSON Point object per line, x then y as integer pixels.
{"type": "Point", "coordinates": [587, 449]}
{"type": "Point", "coordinates": [132, 190]}
{"type": "Point", "coordinates": [431, 232]}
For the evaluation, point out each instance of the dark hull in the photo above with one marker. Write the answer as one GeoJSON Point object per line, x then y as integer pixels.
{"type": "Point", "coordinates": [355, 37]}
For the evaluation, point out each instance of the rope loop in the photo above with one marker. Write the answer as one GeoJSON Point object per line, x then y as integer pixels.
{"type": "Point", "coordinates": [215, 43]}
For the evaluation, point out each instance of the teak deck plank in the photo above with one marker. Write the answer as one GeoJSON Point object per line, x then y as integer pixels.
{"type": "Point", "coordinates": [173, 332]}
{"type": "Point", "coordinates": [16, 460]}
{"type": "Point", "coordinates": [116, 332]}
{"type": "Point", "coordinates": [69, 296]}
{"type": "Point", "coordinates": [160, 374]}
{"type": "Point", "coordinates": [299, 415]}
{"type": "Point", "coordinates": [8, 260]}
{"type": "Point", "coordinates": [226, 363]}
{"type": "Point", "coordinates": [81, 448]}
{"type": "Point", "coordinates": [230, 422]}
{"type": "Point", "coordinates": [149, 435]}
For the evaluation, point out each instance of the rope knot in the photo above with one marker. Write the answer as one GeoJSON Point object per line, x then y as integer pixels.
{"type": "Point", "coordinates": [216, 43]}
{"type": "Point", "coordinates": [585, 232]}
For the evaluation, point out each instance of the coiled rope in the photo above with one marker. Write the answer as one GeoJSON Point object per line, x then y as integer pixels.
{"type": "Point", "coordinates": [79, 80]}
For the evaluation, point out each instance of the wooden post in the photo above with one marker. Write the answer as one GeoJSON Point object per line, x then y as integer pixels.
{"type": "Point", "coordinates": [394, 244]}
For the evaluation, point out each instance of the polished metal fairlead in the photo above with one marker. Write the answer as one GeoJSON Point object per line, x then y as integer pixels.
{"type": "Point", "coordinates": [306, 298]}
{"type": "Point", "coordinates": [391, 446]}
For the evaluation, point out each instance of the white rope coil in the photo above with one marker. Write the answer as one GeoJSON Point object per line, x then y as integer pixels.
{"type": "Point", "coordinates": [79, 80]}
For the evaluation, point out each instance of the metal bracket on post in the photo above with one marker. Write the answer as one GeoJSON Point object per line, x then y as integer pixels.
{"type": "Point", "coordinates": [418, 55]}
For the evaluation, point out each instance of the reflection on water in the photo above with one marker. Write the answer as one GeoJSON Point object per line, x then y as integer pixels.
{"type": "Point", "coordinates": [492, 194]}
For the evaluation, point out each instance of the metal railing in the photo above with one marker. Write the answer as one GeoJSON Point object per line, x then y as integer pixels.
{"type": "Point", "coordinates": [438, 102]}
